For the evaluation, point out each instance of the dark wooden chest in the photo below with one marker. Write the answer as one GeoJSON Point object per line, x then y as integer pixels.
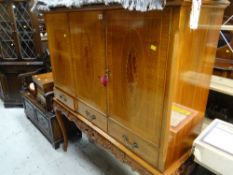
{"type": "Point", "coordinates": [43, 120]}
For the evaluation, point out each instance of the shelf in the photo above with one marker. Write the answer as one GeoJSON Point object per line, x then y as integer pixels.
{"type": "Point", "coordinates": [222, 85]}
{"type": "Point", "coordinates": [227, 27]}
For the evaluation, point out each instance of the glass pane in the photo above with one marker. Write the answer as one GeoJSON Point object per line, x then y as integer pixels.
{"type": "Point", "coordinates": [229, 37]}
{"type": "Point", "coordinates": [7, 46]}
{"type": "Point", "coordinates": [24, 27]}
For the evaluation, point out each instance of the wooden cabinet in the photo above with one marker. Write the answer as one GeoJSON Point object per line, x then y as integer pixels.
{"type": "Point", "coordinates": [20, 48]}
{"type": "Point", "coordinates": [140, 80]}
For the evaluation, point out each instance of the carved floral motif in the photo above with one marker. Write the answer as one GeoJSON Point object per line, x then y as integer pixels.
{"type": "Point", "coordinates": [98, 139]}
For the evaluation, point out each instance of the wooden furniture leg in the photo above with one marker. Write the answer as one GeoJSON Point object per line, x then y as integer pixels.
{"type": "Point", "coordinates": [63, 129]}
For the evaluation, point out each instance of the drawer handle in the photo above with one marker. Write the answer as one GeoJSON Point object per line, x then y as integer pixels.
{"type": "Point", "coordinates": [62, 97]}
{"type": "Point", "coordinates": [92, 117]}
{"type": "Point", "coordinates": [132, 145]}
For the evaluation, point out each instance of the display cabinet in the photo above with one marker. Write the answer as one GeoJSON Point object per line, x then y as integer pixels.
{"type": "Point", "coordinates": [20, 47]}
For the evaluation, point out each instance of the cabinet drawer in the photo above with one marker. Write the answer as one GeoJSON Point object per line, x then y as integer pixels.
{"type": "Point", "coordinates": [136, 144]}
{"type": "Point", "coordinates": [64, 98]}
{"type": "Point", "coordinates": [92, 115]}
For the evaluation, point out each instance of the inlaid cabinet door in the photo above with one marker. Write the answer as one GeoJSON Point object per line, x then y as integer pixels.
{"type": "Point", "coordinates": [88, 52]}
{"type": "Point", "coordinates": [137, 46]}
{"type": "Point", "coordinates": [60, 51]}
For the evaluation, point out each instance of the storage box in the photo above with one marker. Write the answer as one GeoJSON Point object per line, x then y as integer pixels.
{"type": "Point", "coordinates": [213, 148]}
{"type": "Point", "coordinates": [44, 89]}
{"type": "Point", "coordinates": [44, 81]}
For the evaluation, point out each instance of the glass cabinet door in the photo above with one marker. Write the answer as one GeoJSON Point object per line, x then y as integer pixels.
{"type": "Point", "coordinates": [24, 29]}
{"type": "Point", "coordinates": [7, 38]}
{"type": "Point", "coordinates": [17, 35]}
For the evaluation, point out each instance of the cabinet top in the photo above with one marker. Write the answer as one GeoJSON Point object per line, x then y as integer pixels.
{"type": "Point", "coordinates": [138, 5]}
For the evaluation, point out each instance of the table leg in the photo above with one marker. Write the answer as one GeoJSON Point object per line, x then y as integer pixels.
{"type": "Point", "coordinates": [63, 129]}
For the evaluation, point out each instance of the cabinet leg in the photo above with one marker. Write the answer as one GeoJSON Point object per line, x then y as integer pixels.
{"type": "Point", "coordinates": [63, 129]}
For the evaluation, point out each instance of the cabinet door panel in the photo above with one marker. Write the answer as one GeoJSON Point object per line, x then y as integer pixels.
{"type": "Point", "coordinates": [8, 39]}
{"type": "Point", "coordinates": [60, 51]}
{"type": "Point", "coordinates": [88, 45]}
{"type": "Point", "coordinates": [25, 29]}
{"type": "Point", "coordinates": [137, 57]}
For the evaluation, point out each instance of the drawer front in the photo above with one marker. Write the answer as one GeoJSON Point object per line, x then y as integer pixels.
{"type": "Point", "coordinates": [64, 98]}
{"type": "Point", "coordinates": [92, 115]}
{"type": "Point", "coordinates": [30, 111]}
{"type": "Point", "coordinates": [137, 145]}
{"type": "Point", "coordinates": [43, 124]}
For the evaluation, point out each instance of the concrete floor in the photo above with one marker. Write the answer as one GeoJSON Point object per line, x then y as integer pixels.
{"type": "Point", "coordinates": [25, 151]}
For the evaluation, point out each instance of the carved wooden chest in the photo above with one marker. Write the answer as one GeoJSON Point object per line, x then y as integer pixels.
{"type": "Point", "coordinates": [45, 121]}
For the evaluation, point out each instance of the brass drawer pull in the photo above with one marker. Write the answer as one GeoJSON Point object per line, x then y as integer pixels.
{"type": "Point", "coordinates": [92, 117]}
{"type": "Point", "coordinates": [62, 97]}
{"type": "Point", "coordinates": [132, 145]}
{"type": "Point", "coordinates": [125, 138]}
